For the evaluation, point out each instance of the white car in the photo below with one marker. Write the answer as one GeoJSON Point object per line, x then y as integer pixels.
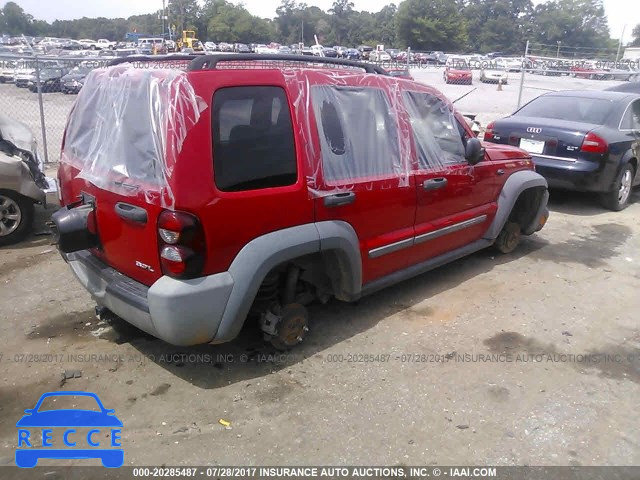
{"type": "Point", "coordinates": [8, 71]}
{"type": "Point", "coordinates": [266, 50]}
{"type": "Point", "coordinates": [380, 56]}
{"type": "Point", "coordinates": [511, 64]}
{"type": "Point", "coordinates": [317, 50]}
{"type": "Point", "coordinates": [103, 43]}
{"type": "Point", "coordinates": [494, 72]}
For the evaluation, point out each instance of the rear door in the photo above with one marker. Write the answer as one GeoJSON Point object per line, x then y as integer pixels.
{"type": "Point", "coordinates": [455, 200]}
{"type": "Point", "coordinates": [364, 178]}
{"type": "Point", "coordinates": [121, 144]}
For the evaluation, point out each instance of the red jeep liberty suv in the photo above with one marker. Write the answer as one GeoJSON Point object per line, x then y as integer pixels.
{"type": "Point", "coordinates": [255, 184]}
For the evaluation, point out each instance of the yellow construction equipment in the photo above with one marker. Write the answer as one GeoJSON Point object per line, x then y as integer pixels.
{"type": "Point", "coordinates": [189, 40]}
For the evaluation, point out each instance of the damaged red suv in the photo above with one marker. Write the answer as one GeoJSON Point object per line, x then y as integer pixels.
{"type": "Point", "coordinates": [253, 185]}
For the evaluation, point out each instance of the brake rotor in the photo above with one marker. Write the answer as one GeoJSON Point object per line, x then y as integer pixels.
{"type": "Point", "coordinates": [292, 327]}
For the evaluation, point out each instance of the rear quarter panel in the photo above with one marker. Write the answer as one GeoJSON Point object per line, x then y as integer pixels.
{"type": "Point", "coordinates": [233, 219]}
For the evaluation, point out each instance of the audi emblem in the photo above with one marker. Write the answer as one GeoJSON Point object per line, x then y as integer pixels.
{"type": "Point", "coordinates": [534, 130]}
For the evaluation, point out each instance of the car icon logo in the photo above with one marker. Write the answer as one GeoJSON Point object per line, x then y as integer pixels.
{"type": "Point", "coordinates": [76, 444]}
{"type": "Point", "coordinates": [534, 130]}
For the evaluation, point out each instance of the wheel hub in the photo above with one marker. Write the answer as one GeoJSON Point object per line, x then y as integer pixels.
{"type": "Point", "coordinates": [287, 329]}
{"type": "Point", "coordinates": [625, 187]}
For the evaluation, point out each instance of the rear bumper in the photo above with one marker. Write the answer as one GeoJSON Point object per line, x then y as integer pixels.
{"type": "Point", "coordinates": [180, 312]}
{"type": "Point", "coordinates": [581, 175]}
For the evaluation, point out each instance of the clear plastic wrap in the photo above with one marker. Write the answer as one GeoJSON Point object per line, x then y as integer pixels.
{"type": "Point", "coordinates": [435, 130]}
{"type": "Point", "coordinates": [127, 129]}
{"type": "Point", "coordinates": [355, 122]}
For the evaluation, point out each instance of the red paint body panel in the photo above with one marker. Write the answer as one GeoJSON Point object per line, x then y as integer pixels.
{"type": "Point", "coordinates": [385, 210]}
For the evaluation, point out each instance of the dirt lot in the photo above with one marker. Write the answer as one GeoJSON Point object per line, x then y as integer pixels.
{"type": "Point", "coordinates": [413, 373]}
{"type": "Point", "coordinates": [528, 358]}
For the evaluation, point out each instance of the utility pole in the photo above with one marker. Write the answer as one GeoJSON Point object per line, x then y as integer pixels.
{"type": "Point", "coordinates": [558, 52]}
{"type": "Point", "coordinates": [163, 17]}
{"type": "Point", "coordinates": [620, 44]}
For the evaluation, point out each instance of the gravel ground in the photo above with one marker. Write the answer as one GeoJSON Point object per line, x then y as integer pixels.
{"type": "Point", "coordinates": [528, 358]}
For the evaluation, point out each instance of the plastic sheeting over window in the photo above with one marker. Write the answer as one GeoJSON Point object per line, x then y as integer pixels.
{"type": "Point", "coordinates": [435, 130]}
{"type": "Point", "coordinates": [355, 120]}
{"type": "Point", "coordinates": [358, 136]}
{"type": "Point", "coordinates": [127, 129]}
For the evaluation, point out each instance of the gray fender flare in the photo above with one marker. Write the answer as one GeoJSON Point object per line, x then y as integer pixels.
{"type": "Point", "coordinates": [258, 257]}
{"type": "Point", "coordinates": [517, 183]}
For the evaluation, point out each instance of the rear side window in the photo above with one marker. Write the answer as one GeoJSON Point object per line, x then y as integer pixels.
{"type": "Point", "coordinates": [437, 134]}
{"type": "Point", "coordinates": [631, 119]}
{"type": "Point", "coordinates": [358, 134]}
{"type": "Point", "coordinates": [253, 144]}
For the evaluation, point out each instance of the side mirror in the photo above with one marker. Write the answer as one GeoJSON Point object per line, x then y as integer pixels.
{"type": "Point", "coordinates": [474, 153]}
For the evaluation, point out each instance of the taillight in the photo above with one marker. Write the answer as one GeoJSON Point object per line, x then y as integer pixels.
{"type": "Point", "coordinates": [593, 143]}
{"type": "Point", "coordinates": [488, 133]}
{"type": "Point", "coordinates": [181, 243]}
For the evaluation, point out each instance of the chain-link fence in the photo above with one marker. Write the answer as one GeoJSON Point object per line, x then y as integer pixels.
{"type": "Point", "coordinates": [40, 91]}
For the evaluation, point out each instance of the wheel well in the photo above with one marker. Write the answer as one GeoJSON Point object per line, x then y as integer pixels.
{"type": "Point", "coordinates": [526, 207]}
{"type": "Point", "coordinates": [634, 162]}
{"type": "Point", "coordinates": [317, 276]}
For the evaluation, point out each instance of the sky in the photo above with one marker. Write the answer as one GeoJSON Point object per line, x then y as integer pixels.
{"type": "Point", "coordinates": [619, 12]}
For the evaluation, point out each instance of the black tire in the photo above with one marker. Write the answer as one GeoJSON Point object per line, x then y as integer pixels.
{"type": "Point", "coordinates": [12, 203]}
{"type": "Point", "coordinates": [509, 238]}
{"type": "Point", "coordinates": [618, 198]}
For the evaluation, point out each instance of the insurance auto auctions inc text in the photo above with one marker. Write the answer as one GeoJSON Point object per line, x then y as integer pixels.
{"type": "Point", "coordinates": [362, 472]}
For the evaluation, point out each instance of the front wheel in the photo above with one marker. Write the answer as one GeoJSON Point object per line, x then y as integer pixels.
{"type": "Point", "coordinates": [618, 198]}
{"type": "Point", "coordinates": [16, 217]}
{"type": "Point", "coordinates": [509, 238]}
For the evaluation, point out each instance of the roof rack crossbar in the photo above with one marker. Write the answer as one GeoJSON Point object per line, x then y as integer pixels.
{"type": "Point", "coordinates": [209, 62]}
{"type": "Point", "coordinates": [152, 58]}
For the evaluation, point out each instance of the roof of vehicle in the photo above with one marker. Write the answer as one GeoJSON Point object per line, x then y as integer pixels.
{"type": "Point", "coordinates": [630, 87]}
{"type": "Point", "coordinates": [210, 62]}
{"type": "Point", "coordinates": [595, 94]}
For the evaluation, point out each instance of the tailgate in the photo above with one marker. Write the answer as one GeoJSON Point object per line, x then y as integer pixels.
{"type": "Point", "coordinates": [120, 148]}
{"type": "Point", "coordinates": [126, 227]}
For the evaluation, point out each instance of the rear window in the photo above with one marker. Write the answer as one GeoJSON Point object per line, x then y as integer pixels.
{"type": "Point", "coordinates": [128, 126]}
{"type": "Point", "coordinates": [575, 109]}
{"type": "Point", "coordinates": [253, 144]}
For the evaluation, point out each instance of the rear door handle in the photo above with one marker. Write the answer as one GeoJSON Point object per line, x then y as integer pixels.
{"type": "Point", "coordinates": [339, 199]}
{"type": "Point", "coordinates": [131, 212]}
{"type": "Point", "coordinates": [435, 183]}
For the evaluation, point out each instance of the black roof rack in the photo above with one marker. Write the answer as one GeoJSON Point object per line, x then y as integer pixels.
{"type": "Point", "coordinates": [153, 58]}
{"type": "Point", "coordinates": [209, 62]}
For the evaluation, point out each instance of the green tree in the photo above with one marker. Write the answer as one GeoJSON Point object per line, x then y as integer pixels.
{"type": "Point", "coordinates": [184, 14]}
{"type": "Point", "coordinates": [430, 25]}
{"type": "Point", "coordinates": [385, 27]}
{"type": "Point", "coordinates": [497, 25]}
{"type": "Point", "coordinates": [14, 20]}
{"type": "Point", "coordinates": [233, 23]}
{"type": "Point", "coordinates": [341, 20]}
{"type": "Point", "coordinates": [573, 23]}
{"type": "Point", "coordinates": [636, 36]}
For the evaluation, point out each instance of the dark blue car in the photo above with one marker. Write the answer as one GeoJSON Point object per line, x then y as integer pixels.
{"type": "Point", "coordinates": [579, 140]}
{"type": "Point", "coordinates": [69, 418]}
